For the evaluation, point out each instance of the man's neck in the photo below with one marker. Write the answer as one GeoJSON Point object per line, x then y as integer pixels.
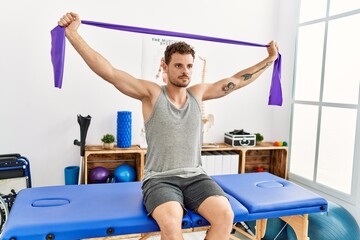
{"type": "Point", "coordinates": [177, 95]}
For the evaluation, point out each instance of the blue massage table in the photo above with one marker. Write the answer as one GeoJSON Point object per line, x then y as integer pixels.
{"type": "Point", "coordinates": [112, 209]}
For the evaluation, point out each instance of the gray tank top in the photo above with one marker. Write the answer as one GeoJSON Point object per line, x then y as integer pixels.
{"type": "Point", "coordinates": [174, 139]}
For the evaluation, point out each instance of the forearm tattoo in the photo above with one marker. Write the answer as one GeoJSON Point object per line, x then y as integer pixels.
{"type": "Point", "coordinates": [247, 76]}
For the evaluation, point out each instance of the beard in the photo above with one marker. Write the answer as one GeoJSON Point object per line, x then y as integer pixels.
{"type": "Point", "coordinates": [179, 82]}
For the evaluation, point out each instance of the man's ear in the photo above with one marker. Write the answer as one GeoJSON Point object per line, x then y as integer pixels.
{"type": "Point", "coordinates": [164, 66]}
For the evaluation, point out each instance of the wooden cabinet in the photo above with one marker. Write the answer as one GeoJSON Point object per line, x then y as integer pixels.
{"type": "Point", "coordinates": [267, 157]}
{"type": "Point", "coordinates": [270, 158]}
{"type": "Point", "coordinates": [98, 156]}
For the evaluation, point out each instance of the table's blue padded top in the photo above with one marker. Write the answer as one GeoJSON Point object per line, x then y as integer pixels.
{"type": "Point", "coordinates": [266, 195]}
{"type": "Point", "coordinates": [80, 211]}
{"type": "Point", "coordinates": [100, 210]}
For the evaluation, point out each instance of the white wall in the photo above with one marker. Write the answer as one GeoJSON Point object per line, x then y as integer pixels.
{"type": "Point", "coordinates": [40, 121]}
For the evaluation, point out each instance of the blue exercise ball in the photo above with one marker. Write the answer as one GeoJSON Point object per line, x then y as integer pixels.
{"type": "Point", "coordinates": [336, 224]}
{"type": "Point", "coordinates": [99, 175]}
{"type": "Point", "coordinates": [125, 173]}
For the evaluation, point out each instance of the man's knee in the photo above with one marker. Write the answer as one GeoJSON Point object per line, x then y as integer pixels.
{"type": "Point", "coordinates": [217, 210]}
{"type": "Point", "coordinates": [169, 217]}
{"type": "Point", "coordinates": [226, 217]}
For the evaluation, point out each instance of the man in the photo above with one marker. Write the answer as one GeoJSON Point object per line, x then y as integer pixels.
{"type": "Point", "coordinates": [173, 177]}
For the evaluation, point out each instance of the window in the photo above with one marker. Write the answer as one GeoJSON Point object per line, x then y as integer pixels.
{"type": "Point", "coordinates": [325, 106]}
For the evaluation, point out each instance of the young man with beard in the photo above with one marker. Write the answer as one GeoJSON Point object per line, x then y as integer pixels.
{"type": "Point", "coordinates": [173, 177]}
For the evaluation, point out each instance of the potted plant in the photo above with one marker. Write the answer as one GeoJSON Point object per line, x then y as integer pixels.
{"type": "Point", "coordinates": [259, 137]}
{"type": "Point", "coordinates": [260, 141]}
{"type": "Point", "coordinates": [108, 141]}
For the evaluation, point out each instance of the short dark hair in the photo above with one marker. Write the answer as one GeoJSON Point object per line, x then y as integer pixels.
{"type": "Point", "coordinates": [178, 47]}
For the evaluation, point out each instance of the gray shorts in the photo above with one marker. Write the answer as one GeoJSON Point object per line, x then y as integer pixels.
{"type": "Point", "coordinates": [189, 192]}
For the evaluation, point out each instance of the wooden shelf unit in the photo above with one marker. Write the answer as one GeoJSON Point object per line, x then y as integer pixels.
{"type": "Point", "coordinates": [96, 155]}
{"type": "Point", "coordinates": [272, 159]}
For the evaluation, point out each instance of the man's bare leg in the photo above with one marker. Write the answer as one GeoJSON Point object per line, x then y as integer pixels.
{"type": "Point", "coordinates": [169, 217]}
{"type": "Point", "coordinates": [217, 210]}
